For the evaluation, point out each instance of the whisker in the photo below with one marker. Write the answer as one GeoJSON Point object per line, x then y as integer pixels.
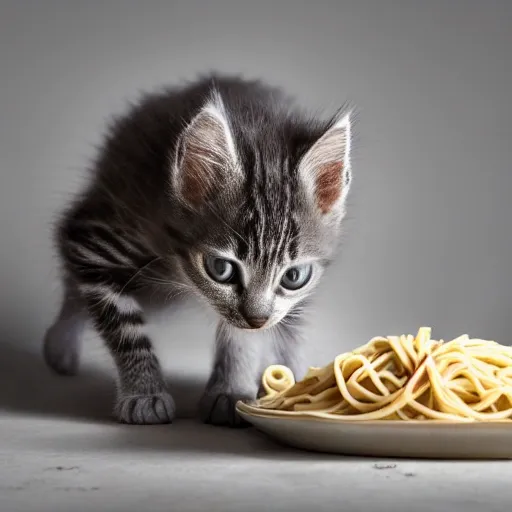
{"type": "Point", "coordinates": [172, 295]}
{"type": "Point", "coordinates": [169, 283]}
{"type": "Point", "coordinates": [138, 272]}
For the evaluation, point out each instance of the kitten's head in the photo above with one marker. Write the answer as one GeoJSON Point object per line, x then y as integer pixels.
{"type": "Point", "coordinates": [262, 197]}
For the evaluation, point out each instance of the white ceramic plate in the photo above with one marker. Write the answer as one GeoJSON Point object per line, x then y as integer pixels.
{"type": "Point", "coordinates": [415, 439]}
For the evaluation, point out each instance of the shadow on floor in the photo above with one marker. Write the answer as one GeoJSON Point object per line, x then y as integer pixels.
{"type": "Point", "coordinates": [28, 386]}
{"type": "Point", "coordinates": [185, 438]}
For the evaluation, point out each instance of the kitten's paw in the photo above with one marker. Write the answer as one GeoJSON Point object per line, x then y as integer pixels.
{"type": "Point", "coordinates": [61, 351]}
{"type": "Point", "coordinates": [145, 409]}
{"type": "Point", "coordinates": [218, 408]}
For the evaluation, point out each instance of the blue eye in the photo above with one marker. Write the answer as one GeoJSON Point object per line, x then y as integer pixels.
{"type": "Point", "coordinates": [219, 269]}
{"type": "Point", "coordinates": [297, 277]}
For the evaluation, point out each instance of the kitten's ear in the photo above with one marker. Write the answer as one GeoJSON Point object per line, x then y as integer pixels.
{"type": "Point", "coordinates": [205, 160]}
{"type": "Point", "coordinates": [325, 168]}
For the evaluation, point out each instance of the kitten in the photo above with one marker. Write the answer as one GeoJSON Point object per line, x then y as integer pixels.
{"type": "Point", "coordinates": [220, 188]}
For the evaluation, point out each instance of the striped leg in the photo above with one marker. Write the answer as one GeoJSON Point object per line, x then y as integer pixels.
{"type": "Point", "coordinates": [103, 264]}
{"type": "Point", "coordinates": [142, 397]}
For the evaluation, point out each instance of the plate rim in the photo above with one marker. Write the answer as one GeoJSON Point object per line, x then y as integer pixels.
{"type": "Point", "coordinates": [255, 411]}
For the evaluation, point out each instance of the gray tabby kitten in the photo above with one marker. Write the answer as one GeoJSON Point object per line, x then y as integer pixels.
{"type": "Point", "coordinates": [220, 188]}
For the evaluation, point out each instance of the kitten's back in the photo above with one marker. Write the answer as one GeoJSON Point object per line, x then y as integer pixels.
{"type": "Point", "coordinates": [135, 154]}
{"type": "Point", "coordinates": [129, 177]}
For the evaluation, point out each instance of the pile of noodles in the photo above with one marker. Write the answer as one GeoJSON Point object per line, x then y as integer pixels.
{"type": "Point", "coordinates": [400, 378]}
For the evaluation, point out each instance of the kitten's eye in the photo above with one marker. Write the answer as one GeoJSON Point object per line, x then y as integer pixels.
{"type": "Point", "coordinates": [297, 277]}
{"type": "Point", "coordinates": [219, 269]}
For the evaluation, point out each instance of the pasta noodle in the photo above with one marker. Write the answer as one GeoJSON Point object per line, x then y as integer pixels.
{"type": "Point", "coordinates": [400, 378]}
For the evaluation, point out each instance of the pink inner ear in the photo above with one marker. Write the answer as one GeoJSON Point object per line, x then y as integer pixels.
{"type": "Point", "coordinates": [328, 185]}
{"type": "Point", "coordinates": [203, 159]}
{"type": "Point", "coordinates": [196, 178]}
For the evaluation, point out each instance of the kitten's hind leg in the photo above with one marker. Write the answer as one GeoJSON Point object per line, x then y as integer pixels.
{"type": "Point", "coordinates": [62, 342]}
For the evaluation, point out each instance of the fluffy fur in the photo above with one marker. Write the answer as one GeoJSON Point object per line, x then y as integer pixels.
{"type": "Point", "coordinates": [220, 177]}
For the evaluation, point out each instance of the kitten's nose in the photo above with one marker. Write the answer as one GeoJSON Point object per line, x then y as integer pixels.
{"type": "Point", "coordinates": [256, 322]}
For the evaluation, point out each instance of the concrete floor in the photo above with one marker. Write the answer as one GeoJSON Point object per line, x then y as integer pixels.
{"type": "Point", "coordinates": [432, 81]}
{"type": "Point", "coordinates": [60, 451]}
{"type": "Point", "coordinates": [66, 465]}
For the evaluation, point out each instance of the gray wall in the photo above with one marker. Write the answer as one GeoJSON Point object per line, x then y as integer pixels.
{"type": "Point", "coordinates": [429, 239]}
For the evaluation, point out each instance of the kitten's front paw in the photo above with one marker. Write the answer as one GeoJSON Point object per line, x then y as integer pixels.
{"type": "Point", "coordinates": [145, 409]}
{"type": "Point", "coordinates": [218, 408]}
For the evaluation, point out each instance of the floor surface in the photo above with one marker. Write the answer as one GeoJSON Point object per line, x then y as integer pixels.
{"type": "Point", "coordinates": [61, 452]}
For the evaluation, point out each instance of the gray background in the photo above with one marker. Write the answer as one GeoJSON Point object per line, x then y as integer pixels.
{"type": "Point", "coordinates": [428, 237]}
{"type": "Point", "coordinates": [427, 242]}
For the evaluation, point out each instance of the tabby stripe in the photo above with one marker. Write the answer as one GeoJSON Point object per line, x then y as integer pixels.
{"type": "Point", "coordinates": [130, 347]}
{"type": "Point", "coordinates": [120, 241]}
{"type": "Point", "coordinates": [255, 211]}
{"type": "Point", "coordinates": [244, 249]}
{"type": "Point", "coordinates": [106, 294]}
{"type": "Point", "coordinates": [293, 244]}
{"type": "Point", "coordinates": [95, 251]}
{"type": "Point", "coordinates": [82, 255]}
{"type": "Point", "coordinates": [260, 189]}
{"type": "Point", "coordinates": [110, 252]}
{"type": "Point", "coordinates": [94, 274]}
{"type": "Point", "coordinates": [92, 270]}
{"type": "Point", "coordinates": [128, 251]}
{"type": "Point", "coordinates": [113, 245]}
{"type": "Point", "coordinates": [119, 320]}
{"type": "Point", "coordinates": [111, 318]}
{"type": "Point", "coordinates": [262, 238]}
{"type": "Point", "coordinates": [119, 248]}
{"type": "Point", "coordinates": [82, 236]}
{"type": "Point", "coordinates": [293, 248]}
{"type": "Point", "coordinates": [287, 210]}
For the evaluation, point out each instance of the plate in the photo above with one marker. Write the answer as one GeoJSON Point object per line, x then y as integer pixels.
{"type": "Point", "coordinates": [412, 439]}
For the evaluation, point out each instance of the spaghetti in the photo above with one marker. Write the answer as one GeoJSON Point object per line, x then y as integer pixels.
{"type": "Point", "coordinates": [400, 378]}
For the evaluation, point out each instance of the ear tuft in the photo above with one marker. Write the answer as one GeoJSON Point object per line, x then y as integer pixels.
{"type": "Point", "coordinates": [325, 168]}
{"type": "Point", "coordinates": [206, 158]}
